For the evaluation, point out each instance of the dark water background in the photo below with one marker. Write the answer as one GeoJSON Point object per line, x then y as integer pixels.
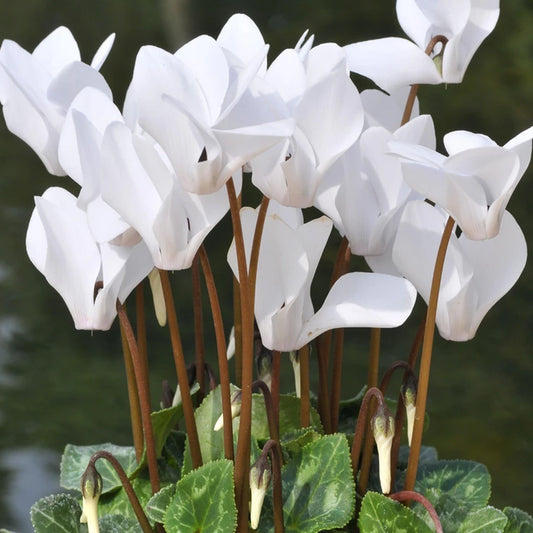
{"type": "Point", "coordinates": [58, 385]}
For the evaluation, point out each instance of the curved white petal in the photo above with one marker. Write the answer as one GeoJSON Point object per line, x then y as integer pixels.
{"type": "Point", "coordinates": [362, 299]}
{"type": "Point", "coordinates": [392, 63]}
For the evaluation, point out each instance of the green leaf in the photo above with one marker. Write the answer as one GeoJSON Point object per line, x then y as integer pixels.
{"type": "Point", "coordinates": [204, 502]}
{"type": "Point", "coordinates": [59, 513]}
{"type": "Point", "coordinates": [380, 514]}
{"type": "Point", "coordinates": [6, 531]}
{"type": "Point", "coordinates": [118, 503]}
{"type": "Point", "coordinates": [467, 482]}
{"type": "Point", "coordinates": [75, 460]}
{"type": "Point", "coordinates": [158, 503]}
{"type": "Point", "coordinates": [486, 520]}
{"type": "Point", "coordinates": [119, 524]}
{"type": "Point", "coordinates": [318, 488]}
{"type": "Point", "coordinates": [171, 463]}
{"type": "Point", "coordinates": [163, 422]}
{"type": "Point", "coordinates": [519, 521]}
{"type": "Point", "coordinates": [289, 416]}
{"type": "Point", "coordinates": [211, 442]}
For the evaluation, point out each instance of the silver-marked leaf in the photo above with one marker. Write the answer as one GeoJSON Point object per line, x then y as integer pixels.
{"type": "Point", "coordinates": [204, 501]}
{"type": "Point", "coordinates": [118, 503]}
{"type": "Point", "coordinates": [519, 521]}
{"type": "Point", "coordinates": [59, 513]}
{"type": "Point", "coordinates": [380, 514]}
{"type": "Point", "coordinates": [119, 524]}
{"type": "Point", "coordinates": [486, 520]}
{"type": "Point", "coordinates": [75, 460]}
{"type": "Point", "coordinates": [158, 503]}
{"type": "Point", "coordinates": [318, 488]}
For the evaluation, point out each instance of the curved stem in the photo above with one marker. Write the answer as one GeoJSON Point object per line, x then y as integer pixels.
{"type": "Point", "coordinates": [425, 360]}
{"type": "Point", "coordinates": [407, 495]}
{"type": "Point", "coordinates": [372, 381]}
{"type": "Point", "coordinates": [144, 400]}
{"type": "Point", "coordinates": [361, 426]}
{"type": "Point", "coordinates": [133, 396]}
{"type": "Point", "coordinates": [269, 407]}
{"type": "Point", "coordinates": [383, 386]}
{"type": "Point", "coordinates": [198, 325]}
{"type": "Point", "coordinates": [273, 449]}
{"type": "Point", "coordinates": [414, 88]}
{"type": "Point", "coordinates": [181, 370]}
{"type": "Point", "coordinates": [132, 497]}
{"type": "Point", "coordinates": [256, 245]}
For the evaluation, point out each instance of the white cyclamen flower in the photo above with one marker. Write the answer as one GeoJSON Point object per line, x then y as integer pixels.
{"type": "Point", "coordinates": [206, 105]}
{"type": "Point", "coordinates": [90, 277]}
{"type": "Point", "coordinates": [393, 62]}
{"type": "Point", "coordinates": [288, 259]}
{"type": "Point", "coordinates": [476, 273]}
{"type": "Point", "coordinates": [328, 116]}
{"type": "Point", "coordinates": [36, 89]}
{"type": "Point", "coordinates": [474, 183]}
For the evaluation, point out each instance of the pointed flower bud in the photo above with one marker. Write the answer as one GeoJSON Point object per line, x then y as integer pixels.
{"type": "Point", "coordinates": [382, 425]}
{"type": "Point", "coordinates": [230, 350]}
{"type": "Point", "coordinates": [91, 488]}
{"type": "Point", "coordinates": [235, 410]}
{"type": "Point", "coordinates": [158, 297]}
{"type": "Point", "coordinates": [295, 360]}
{"type": "Point", "coordinates": [260, 476]}
{"type": "Point", "coordinates": [408, 392]}
{"type": "Point", "coordinates": [263, 362]}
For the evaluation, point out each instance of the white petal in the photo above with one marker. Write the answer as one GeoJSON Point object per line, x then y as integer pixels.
{"type": "Point", "coordinates": [392, 63]}
{"type": "Point", "coordinates": [361, 299]}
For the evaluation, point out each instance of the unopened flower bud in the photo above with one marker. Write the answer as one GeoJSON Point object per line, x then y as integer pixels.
{"type": "Point", "coordinates": [235, 410]}
{"type": "Point", "coordinates": [230, 350]}
{"type": "Point", "coordinates": [408, 391]}
{"type": "Point", "coordinates": [295, 360]}
{"type": "Point", "coordinates": [382, 424]}
{"type": "Point", "coordinates": [91, 488]}
{"type": "Point", "coordinates": [158, 297]}
{"type": "Point", "coordinates": [263, 363]}
{"type": "Point", "coordinates": [260, 476]}
{"type": "Point", "coordinates": [437, 60]}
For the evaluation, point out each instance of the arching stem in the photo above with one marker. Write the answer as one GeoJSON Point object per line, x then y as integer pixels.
{"type": "Point", "coordinates": [425, 360]}
{"type": "Point", "coordinates": [408, 495]}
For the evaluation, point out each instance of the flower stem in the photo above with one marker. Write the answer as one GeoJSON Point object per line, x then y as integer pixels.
{"type": "Point", "coordinates": [274, 391]}
{"type": "Point", "coordinates": [414, 88]}
{"type": "Point", "coordinates": [181, 371]}
{"type": "Point", "coordinates": [372, 381]}
{"type": "Point", "coordinates": [336, 377]}
{"type": "Point", "coordinates": [134, 501]}
{"type": "Point", "coordinates": [361, 427]}
{"type": "Point", "coordinates": [198, 325]}
{"type": "Point", "coordinates": [242, 460]}
{"type": "Point", "coordinates": [140, 317]}
{"type": "Point", "coordinates": [425, 360]}
{"type": "Point", "coordinates": [272, 447]}
{"type": "Point", "coordinates": [133, 396]}
{"type": "Point", "coordinates": [305, 396]}
{"type": "Point", "coordinates": [221, 352]}
{"type": "Point", "coordinates": [141, 378]}
{"type": "Point", "coordinates": [407, 495]}
{"type": "Point", "coordinates": [267, 397]}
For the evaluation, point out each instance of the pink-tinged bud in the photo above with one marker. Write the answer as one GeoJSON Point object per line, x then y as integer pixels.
{"type": "Point", "coordinates": [382, 425]}
{"type": "Point", "coordinates": [235, 410]}
{"type": "Point", "coordinates": [91, 488]}
{"type": "Point", "coordinates": [260, 476]}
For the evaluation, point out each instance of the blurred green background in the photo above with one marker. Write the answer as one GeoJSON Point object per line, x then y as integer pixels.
{"type": "Point", "coordinates": [58, 385]}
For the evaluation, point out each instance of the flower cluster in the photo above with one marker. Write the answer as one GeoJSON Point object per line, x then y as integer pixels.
{"type": "Point", "coordinates": [152, 177]}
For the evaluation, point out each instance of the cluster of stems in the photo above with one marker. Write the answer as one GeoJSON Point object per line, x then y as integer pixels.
{"type": "Point", "coordinates": [329, 350]}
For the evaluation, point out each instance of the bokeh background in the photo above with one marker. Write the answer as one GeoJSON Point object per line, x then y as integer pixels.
{"type": "Point", "coordinates": [58, 385]}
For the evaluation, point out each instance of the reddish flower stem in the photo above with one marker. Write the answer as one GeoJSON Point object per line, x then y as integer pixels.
{"type": "Point", "coordinates": [141, 378]}
{"type": "Point", "coordinates": [408, 495]}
